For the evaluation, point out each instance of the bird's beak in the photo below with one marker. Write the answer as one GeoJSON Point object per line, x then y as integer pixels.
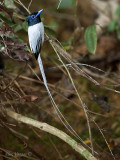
{"type": "Point", "coordinates": [39, 12]}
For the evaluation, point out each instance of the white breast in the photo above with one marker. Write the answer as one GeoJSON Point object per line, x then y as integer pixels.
{"type": "Point", "coordinates": [36, 36]}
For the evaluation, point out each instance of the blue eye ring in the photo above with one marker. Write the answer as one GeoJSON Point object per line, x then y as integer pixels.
{"type": "Point", "coordinates": [32, 16]}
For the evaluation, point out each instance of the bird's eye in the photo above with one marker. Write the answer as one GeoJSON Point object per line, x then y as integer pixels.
{"type": "Point", "coordinates": [33, 16]}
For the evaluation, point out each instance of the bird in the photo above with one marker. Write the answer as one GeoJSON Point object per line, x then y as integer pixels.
{"type": "Point", "coordinates": [35, 32]}
{"type": "Point", "coordinates": [36, 40]}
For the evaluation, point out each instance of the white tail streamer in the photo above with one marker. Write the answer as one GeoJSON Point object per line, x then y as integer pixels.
{"type": "Point", "coordinates": [60, 115]}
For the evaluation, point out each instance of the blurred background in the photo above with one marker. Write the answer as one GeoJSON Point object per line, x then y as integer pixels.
{"type": "Point", "coordinates": [28, 96]}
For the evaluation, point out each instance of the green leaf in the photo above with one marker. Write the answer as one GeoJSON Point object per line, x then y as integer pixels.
{"type": "Point", "coordinates": [111, 26]}
{"type": "Point", "coordinates": [0, 46]}
{"type": "Point", "coordinates": [2, 35]}
{"type": "Point", "coordinates": [25, 26]}
{"type": "Point", "coordinates": [66, 4]}
{"type": "Point", "coordinates": [1, 24]}
{"type": "Point", "coordinates": [27, 48]}
{"type": "Point", "coordinates": [12, 36]}
{"type": "Point", "coordinates": [117, 10]}
{"type": "Point", "coordinates": [9, 4]}
{"type": "Point", "coordinates": [118, 21]}
{"type": "Point", "coordinates": [68, 43]}
{"type": "Point", "coordinates": [17, 28]}
{"type": "Point", "coordinates": [6, 20]}
{"type": "Point", "coordinates": [91, 38]}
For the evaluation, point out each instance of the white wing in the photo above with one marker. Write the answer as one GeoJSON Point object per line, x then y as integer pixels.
{"type": "Point", "coordinates": [36, 37]}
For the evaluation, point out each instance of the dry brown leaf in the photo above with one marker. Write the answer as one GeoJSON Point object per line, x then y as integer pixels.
{"type": "Point", "coordinates": [28, 98]}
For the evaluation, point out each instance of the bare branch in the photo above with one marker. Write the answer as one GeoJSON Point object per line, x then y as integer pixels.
{"type": "Point", "coordinates": [52, 130]}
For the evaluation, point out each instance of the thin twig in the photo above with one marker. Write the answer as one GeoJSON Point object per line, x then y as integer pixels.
{"type": "Point", "coordinates": [19, 2]}
{"type": "Point", "coordinates": [21, 141]}
{"type": "Point", "coordinates": [29, 4]}
{"type": "Point", "coordinates": [104, 139]}
{"type": "Point", "coordinates": [14, 78]}
{"type": "Point", "coordinates": [83, 105]}
{"type": "Point", "coordinates": [59, 4]}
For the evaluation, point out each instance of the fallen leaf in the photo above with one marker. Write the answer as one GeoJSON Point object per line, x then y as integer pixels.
{"type": "Point", "coordinates": [28, 98]}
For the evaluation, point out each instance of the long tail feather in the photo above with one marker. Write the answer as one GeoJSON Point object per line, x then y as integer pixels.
{"type": "Point", "coordinates": [60, 115]}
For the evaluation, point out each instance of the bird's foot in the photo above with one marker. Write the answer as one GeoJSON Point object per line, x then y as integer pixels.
{"type": "Point", "coordinates": [48, 39]}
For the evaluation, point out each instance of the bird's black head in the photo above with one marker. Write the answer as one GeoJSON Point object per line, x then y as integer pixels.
{"type": "Point", "coordinates": [34, 18]}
